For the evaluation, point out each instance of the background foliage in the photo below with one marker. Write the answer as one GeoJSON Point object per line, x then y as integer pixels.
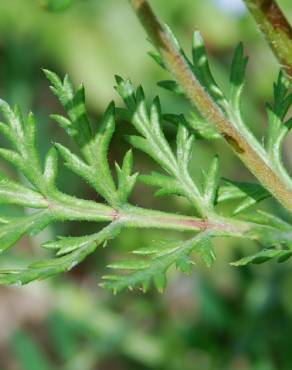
{"type": "Point", "coordinates": [222, 318]}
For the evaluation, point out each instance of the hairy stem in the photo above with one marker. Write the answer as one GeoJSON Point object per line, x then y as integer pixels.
{"type": "Point", "coordinates": [62, 209]}
{"type": "Point", "coordinates": [135, 217]}
{"type": "Point", "coordinates": [276, 29]}
{"type": "Point", "coordinates": [240, 139]}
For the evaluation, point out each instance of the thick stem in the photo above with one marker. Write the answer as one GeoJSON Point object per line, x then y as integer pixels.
{"type": "Point", "coordinates": [242, 142]}
{"type": "Point", "coordinates": [276, 29]}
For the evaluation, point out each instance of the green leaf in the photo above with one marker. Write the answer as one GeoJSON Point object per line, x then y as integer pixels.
{"type": "Point", "coordinates": [282, 101]}
{"type": "Point", "coordinates": [13, 119]}
{"type": "Point", "coordinates": [269, 219]}
{"type": "Point", "coordinates": [167, 184]}
{"type": "Point", "coordinates": [56, 5]}
{"type": "Point", "coordinates": [158, 248]}
{"type": "Point", "coordinates": [51, 167]}
{"type": "Point", "coordinates": [30, 131]}
{"type": "Point", "coordinates": [201, 69]}
{"type": "Point", "coordinates": [160, 281]}
{"type": "Point", "coordinates": [197, 124]}
{"type": "Point", "coordinates": [74, 163]}
{"type": "Point", "coordinates": [126, 181]}
{"type": "Point", "coordinates": [278, 128]}
{"type": "Point", "coordinates": [211, 184]}
{"type": "Point", "coordinates": [129, 265]}
{"type": "Point", "coordinates": [153, 142]}
{"type": "Point", "coordinates": [95, 167]}
{"type": "Point", "coordinates": [46, 268]}
{"type": "Point", "coordinates": [64, 122]}
{"type": "Point", "coordinates": [237, 75]}
{"type": "Point", "coordinates": [126, 90]}
{"type": "Point", "coordinates": [43, 269]}
{"type": "Point", "coordinates": [155, 55]}
{"type": "Point", "coordinates": [148, 125]}
{"type": "Point", "coordinates": [78, 125]}
{"type": "Point", "coordinates": [184, 145]}
{"type": "Point", "coordinates": [249, 194]}
{"type": "Point", "coordinates": [67, 245]}
{"type": "Point", "coordinates": [13, 193]}
{"type": "Point", "coordinates": [15, 228]}
{"type": "Point", "coordinates": [154, 268]}
{"type": "Point", "coordinates": [202, 128]}
{"type": "Point", "coordinates": [29, 353]}
{"type": "Point", "coordinates": [14, 158]}
{"type": "Point", "coordinates": [263, 256]}
{"type": "Point", "coordinates": [101, 176]}
{"type": "Point", "coordinates": [21, 134]}
{"type": "Point", "coordinates": [206, 251]}
{"type": "Point", "coordinates": [172, 86]}
{"type": "Point", "coordinates": [185, 264]}
{"type": "Point", "coordinates": [151, 263]}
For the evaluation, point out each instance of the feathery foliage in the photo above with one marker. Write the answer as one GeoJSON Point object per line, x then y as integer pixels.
{"type": "Point", "coordinates": [39, 191]}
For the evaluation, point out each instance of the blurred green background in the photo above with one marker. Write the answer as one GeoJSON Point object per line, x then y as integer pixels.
{"type": "Point", "coordinates": [221, 318]}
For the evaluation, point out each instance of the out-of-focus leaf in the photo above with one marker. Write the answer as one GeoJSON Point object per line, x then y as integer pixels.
{"type": "Point", "coordinates": [56, 5]}
{"type": "Point", "coordinates": [264, 255]}
{"type": "Point", "coordinates": [28, 353]}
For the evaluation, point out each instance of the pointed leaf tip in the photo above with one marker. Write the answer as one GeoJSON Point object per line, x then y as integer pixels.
{"type": "Point", "coordinates": [119, 79]}
{"type": "Point", "coordinates": [160, 282]}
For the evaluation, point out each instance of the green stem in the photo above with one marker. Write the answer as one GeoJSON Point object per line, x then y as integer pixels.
{"type": "Point", "coordinates": [135, 217]}
{"type": "Point", "coordinates": [246, 147]}
{"type": "Point", "coordinates": [276, 29]}
{"type": "Point", "coordinates": [65, 207]}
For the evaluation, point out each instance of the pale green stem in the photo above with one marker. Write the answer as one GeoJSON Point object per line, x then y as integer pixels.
{"type": "Point", "coordinates": [134, 217]}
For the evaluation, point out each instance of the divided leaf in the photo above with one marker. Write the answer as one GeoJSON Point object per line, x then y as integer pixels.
{"type": "Point", "coordinates": [155, 268]}
{"type": "Point", "coordinates": [72, 251]}
{"type": "Point", "coordinates": [13, 193]}
{"type": "Point", "coordinates": [200, 67]}
{"type": "Point", "coordinates": [78, 125]}
{"type": "Point", "coordinates": [46, 268]}
{"type": "Point", "coordinates": [21, 134]}
{"type": "Point", "coordinates": [94, 167]}
{"type": "Point", "coordinates": [14, 228]}
{"type": "Point", "coordinates": [206, 251]}
{"type": "Point", "coordinates": [278, 128]}
{"type": "Point", "coordinates": [126, 180]}
{"type": "Point", "coordinates": [153, 142]}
